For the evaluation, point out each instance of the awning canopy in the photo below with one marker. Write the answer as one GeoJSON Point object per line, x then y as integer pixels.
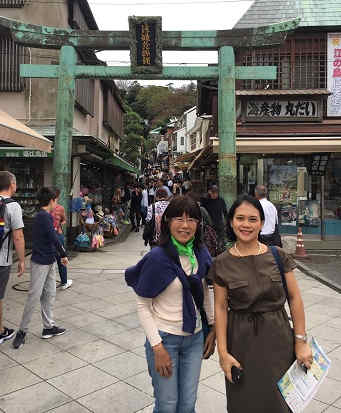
{"type": "Point", "coordinates": [285, 145]}
{"type": "Point", "coordinates": [15, 132]}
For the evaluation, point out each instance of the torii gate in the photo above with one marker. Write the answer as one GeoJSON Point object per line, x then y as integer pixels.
{"type": "Point", "coordinates": [146, 40]}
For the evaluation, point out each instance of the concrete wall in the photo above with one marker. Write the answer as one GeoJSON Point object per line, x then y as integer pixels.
{"type": "Point", "coordinates": [179, 134]}
{"type": "Point", "coordinates": [191, 116]}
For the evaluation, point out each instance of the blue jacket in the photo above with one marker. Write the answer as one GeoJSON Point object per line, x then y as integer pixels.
{"type": "Point", "coordinates": [157, 269]}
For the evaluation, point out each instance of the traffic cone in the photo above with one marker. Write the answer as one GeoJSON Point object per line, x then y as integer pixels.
{"type": "Point", "coordinates": [300, 250]}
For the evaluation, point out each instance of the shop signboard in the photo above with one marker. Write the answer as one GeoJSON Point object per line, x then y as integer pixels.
{"type": "Point", "coordinates": [23, 153]}
{"type": "Point", "coordinates": [334, 74]}
{"type": "Point", "coordinates": [265, 109]}
{"type": "Point", "coordinates": [309, 213]}
{"type": "Point", "coordinates": [145, 44]}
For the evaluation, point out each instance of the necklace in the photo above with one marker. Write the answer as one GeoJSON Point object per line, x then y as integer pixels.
{"type": "Point", "coordinates": [237, 250]}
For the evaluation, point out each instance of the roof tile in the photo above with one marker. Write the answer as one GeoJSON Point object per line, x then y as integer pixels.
{"type": "Point", "coordinates": [313, 13]}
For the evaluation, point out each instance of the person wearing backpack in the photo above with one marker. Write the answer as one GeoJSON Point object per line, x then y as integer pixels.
{"type": "Point", "coordinates": [45, 247]}
{"type": "Point", "coordinates": [152, 228]}
{"type": "Point", "coordinates": [11, 232]}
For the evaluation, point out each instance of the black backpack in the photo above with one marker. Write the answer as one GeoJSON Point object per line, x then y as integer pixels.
{"type": "Point", "coordinates": [149, 229]}
{"type": "Point", "coordinates": [3, 205]}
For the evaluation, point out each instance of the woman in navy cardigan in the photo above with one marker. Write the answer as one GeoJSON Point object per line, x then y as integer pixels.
{"type": "Point", "coordinates": [175, 307]}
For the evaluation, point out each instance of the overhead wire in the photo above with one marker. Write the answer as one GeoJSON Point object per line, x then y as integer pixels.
{"type": "Point", "coordinates": [145, 3]}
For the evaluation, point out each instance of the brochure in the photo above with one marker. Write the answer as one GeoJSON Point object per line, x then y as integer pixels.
{"type": "Point", "coordinates": [298, 387]}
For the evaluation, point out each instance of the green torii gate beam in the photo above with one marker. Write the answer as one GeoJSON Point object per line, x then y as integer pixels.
{"type": "Point", "coordinates": [54, 38]}
{"type": "Point", "coordinates": [68, 70]}
{"type": "Point", "coordinates": [124, 72]}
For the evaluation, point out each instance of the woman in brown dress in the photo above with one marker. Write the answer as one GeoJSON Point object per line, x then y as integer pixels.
{"type": "Point", "coordinates": [252, 326]}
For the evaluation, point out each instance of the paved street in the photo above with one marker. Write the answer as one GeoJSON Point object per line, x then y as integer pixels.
{"type": "Point", "coordinates": [99, 365]}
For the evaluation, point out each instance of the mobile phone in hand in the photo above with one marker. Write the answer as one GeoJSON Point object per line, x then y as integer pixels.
{"type": "Point", "coordinates": [237, 374]}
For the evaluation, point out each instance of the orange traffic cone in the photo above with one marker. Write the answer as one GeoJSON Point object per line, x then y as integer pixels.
{"type": "Point", "coordinates": [300, 250]}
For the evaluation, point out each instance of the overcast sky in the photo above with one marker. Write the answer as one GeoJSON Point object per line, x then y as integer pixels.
{"type": "Point", "coordinates": [176, 15]}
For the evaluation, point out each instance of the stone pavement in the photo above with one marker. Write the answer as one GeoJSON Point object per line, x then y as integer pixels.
{"type": "Point", "coordinates": [99, 364]}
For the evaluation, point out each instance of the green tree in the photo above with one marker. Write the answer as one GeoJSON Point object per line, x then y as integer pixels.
{"type": "Point", "coordinates": [133, 140]}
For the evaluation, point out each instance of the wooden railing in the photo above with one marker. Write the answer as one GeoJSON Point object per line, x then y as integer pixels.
{"type": "Point", "coordinates": [11, 56]}
{"type": "Point", "coordinates": [85, 89]}
{"type": "Point", "coordinates": [11, 3]}
{"type": "Point", "coordinates": [112, 113]}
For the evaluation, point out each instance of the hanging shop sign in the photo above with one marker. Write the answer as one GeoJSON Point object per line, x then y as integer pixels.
{"type": "Point", "coordinates": [319, 163]}
{"type": "Point", "coordinates": [334, 74]}
{"type": "Point", "coordinates": [145, 44]}
{"type": "Point", "coordinates": [282, 109]}
{"type": "Point", "coordinates": [23, 153]}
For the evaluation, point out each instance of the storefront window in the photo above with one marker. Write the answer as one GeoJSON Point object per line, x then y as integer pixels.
{"type": "Point", "coordinates": [332, 204]}
{"type": "Point", "coordinates": [296, 195]}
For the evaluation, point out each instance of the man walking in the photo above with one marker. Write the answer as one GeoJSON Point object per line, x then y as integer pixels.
{"type": "Point", "coordinates": [217, 210]}
{"type": "Point", "coordinates": [269, 234]}
{"type": "Point", "coordinates": [45, 246]}
{"type": "Point", "coordinates": [162, 185]}
{"type": "Point", "coordinates": [12, 232]}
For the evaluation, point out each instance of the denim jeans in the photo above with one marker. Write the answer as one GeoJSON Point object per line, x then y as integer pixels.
{"type": "Point", "coordinates": [178, 393]}
{"type": "Point", "coordinates": [62, 268]}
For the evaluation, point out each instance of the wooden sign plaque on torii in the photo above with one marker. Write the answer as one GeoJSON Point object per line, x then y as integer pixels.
{"type": "Point", "coordinates": [146, 41]}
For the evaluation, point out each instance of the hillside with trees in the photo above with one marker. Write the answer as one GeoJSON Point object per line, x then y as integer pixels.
{"type": "Point", "coordinates": [148, 107]}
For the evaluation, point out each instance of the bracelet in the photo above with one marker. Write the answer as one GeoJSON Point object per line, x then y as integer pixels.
{"type": "Point", "coordinates": [301, 337]}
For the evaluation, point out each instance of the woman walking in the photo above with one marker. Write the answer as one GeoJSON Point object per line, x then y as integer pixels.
{"type": "Point", "coordinates": [253, 330]}
{"type": "Point", "coordinates": [174, 307]}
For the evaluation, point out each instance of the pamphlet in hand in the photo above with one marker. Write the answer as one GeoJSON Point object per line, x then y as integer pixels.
{"type": "Point", "coordinates": [298, 387]}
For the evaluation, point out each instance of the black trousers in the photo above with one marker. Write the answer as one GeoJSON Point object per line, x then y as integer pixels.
{"type": "Point", "coordinates": [272, 239]}
{"type": "Point", "coordinates": [135, 217]}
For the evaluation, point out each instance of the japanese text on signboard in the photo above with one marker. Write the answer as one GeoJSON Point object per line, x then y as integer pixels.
{"type": "Point", "coordinates": [334, 74]}
{"type": "Point", "coordinates": [146, 47]}
{"type": "Point", "coordinates": [282, 109]}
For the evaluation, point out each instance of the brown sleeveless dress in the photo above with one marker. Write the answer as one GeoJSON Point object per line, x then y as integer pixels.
{"type": "Point", "coordinates": [259, 335]}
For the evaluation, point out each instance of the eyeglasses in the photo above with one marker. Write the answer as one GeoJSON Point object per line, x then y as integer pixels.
{"type": "Point", "coordinates": [190, 221]}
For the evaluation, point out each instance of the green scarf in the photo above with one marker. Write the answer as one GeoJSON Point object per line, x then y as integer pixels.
{"type": "Point", "coordinates": [186, 249]}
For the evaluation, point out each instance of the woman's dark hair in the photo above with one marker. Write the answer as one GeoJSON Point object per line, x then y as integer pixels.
{"type": "Point", "coordinates": [161, 193]}
{"type": "Point", "coordinates": [177, 207]}
{"type": "Point", "coordinates": [44, 196]}
{"type": "Point", "coordinates": [242, 199]}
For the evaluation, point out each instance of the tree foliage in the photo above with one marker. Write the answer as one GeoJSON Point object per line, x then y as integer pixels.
{"type": "Point", "coordinates": [132, 140]}
{"type": "Point", "coordinates": [154, 104]}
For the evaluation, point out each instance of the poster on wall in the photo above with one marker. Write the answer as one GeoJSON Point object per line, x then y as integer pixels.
{"type": "Point", "coordinates": [334, 74]}
{"type": "Point", "coordinates": [288, 214]}
{"type": "Point", "coordinates": [283, 183]}
{"type": "Point", "coordinates": [309, 213]}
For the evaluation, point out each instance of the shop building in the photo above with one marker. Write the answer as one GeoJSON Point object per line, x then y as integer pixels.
{"type": "Point", "coordinates": [289, 129]}
{"type": "Point", "coordinates": [98, 119]}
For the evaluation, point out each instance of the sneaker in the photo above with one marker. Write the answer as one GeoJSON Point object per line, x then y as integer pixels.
{"type": "Point", "coordinates": [19, 339]}
{"type": "Point", "coordinates": [66, 285]}
{"type": "Point", "coordinates": [51, 332]}
{"type": "Point", "coordinates": [6, 335]}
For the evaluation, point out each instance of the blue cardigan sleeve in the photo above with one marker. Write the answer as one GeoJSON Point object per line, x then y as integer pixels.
{"type": "Point", "coordinates": [151, 275]}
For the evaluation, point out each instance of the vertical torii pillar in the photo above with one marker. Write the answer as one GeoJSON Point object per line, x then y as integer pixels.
{"type": "Point", "coordinates": [227, 169]}
{"type": "Point", "coordinates": [64, 123]}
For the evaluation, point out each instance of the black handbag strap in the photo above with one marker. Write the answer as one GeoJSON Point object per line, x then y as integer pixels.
{"type": "Point", "coordinates": [279, 263]}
